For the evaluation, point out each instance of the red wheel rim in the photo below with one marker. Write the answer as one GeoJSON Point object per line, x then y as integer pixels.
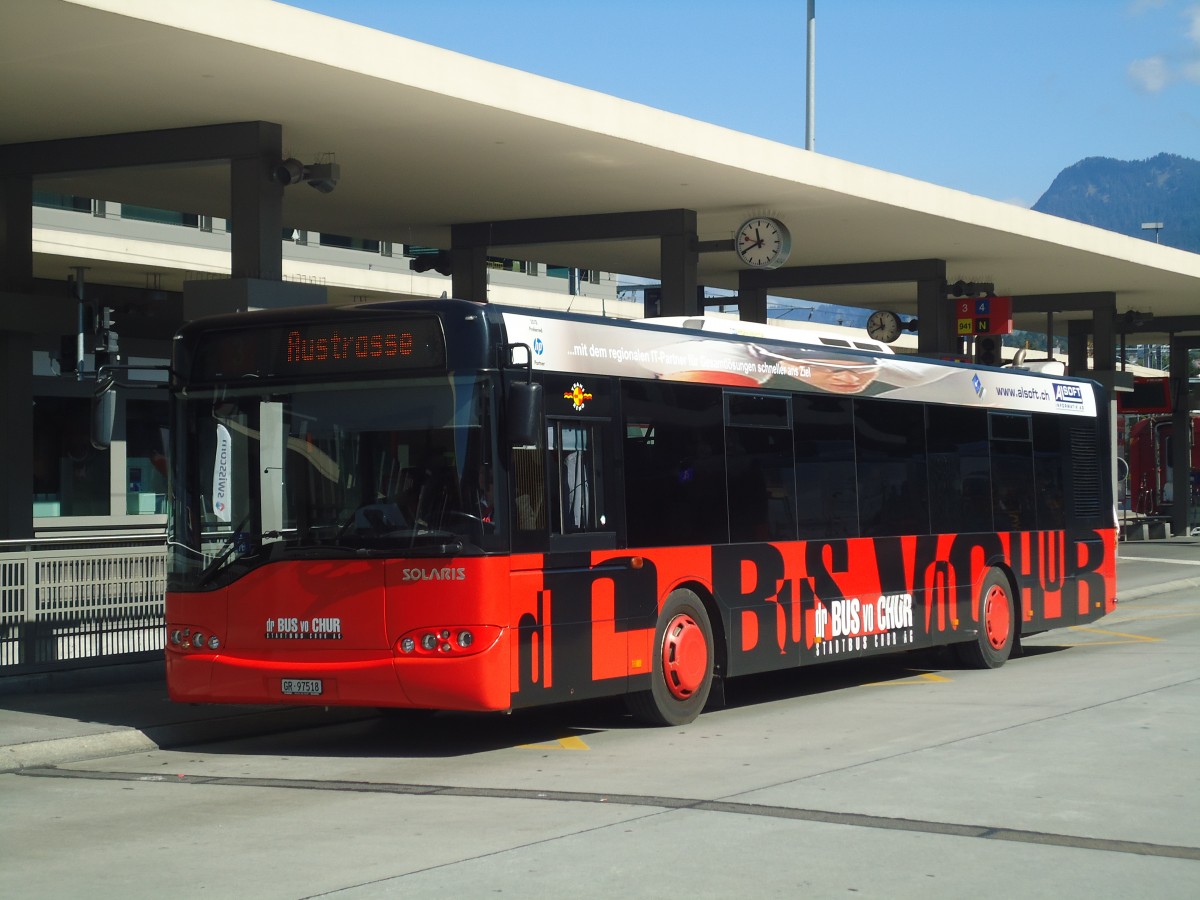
{"type": "Point", "coordinates": [684, 656]}
{"type": "Point", "coordinates": [997, 617]}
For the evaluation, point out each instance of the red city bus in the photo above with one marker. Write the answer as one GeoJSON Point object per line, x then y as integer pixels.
{"type": "Point", "coordinates": [446, 505]}
{"type": "Point", "coordinates": [1152, 463]}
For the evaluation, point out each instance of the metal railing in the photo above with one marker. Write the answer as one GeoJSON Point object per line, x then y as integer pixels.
{"type": "Point", "coordinates": [78, 602]}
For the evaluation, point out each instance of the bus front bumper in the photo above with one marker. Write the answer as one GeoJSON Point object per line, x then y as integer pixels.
{"type": "Point", "coordinates": [479, 682]}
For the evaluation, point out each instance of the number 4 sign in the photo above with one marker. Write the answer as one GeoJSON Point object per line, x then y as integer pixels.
{"type": "Point", "coordinates": [984, 315]}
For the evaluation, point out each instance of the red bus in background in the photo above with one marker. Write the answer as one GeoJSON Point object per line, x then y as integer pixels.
{"type": "Point", "coordinates": [445, 505]}
{"type": "Point", "coordinates": [1152, 464]}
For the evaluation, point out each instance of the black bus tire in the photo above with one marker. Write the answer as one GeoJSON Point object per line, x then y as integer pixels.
{"type": "Point", "coordinates": [681, 664]}
{"type": "Point", "coordinates": [994, 643]}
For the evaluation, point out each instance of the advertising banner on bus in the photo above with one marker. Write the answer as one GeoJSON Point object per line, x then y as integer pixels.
{"type": "Point", "coordinates": [650, 352]}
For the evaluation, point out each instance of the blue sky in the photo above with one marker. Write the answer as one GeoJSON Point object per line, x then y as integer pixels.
{"type": "Point", "coordinates": [989, 97]}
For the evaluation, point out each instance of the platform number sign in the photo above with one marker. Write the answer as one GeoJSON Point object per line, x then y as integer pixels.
{"type": "Point", "coordinates": [984, 315]}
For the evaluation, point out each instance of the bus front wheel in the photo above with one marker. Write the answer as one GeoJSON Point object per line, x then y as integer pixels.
{"type": "Point", "coordinates": [681, 664]}
{"type": "Point", "coordinates": [997, 625]}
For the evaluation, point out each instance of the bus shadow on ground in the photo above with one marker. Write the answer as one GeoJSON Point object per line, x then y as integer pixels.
{"type": "Point", "coordinates": [812, 680]}
{"type": "Point", "coordinates": [418, 734]}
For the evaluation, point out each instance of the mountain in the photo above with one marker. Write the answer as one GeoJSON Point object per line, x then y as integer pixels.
{"type": "Point", "coordinates": [1121, 196]}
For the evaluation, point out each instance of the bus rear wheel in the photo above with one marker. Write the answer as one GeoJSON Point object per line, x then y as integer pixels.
{"type": "Point", "coordinates": [997, 625]}
{"type": "Point", "coordinates": [681, 664]}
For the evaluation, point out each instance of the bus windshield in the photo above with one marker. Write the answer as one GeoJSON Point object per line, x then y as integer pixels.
{"type": "Point", "coordinates": [369, 468]}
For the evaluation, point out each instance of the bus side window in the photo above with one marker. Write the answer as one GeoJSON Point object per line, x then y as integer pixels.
{"type": "Point", "coordinates": [960, 474]}
{"type": "Point", "coordinates": [573, 452]}
{"type": "Point", "coordinates": [826, 490]}
{"type": "Point", "coordinates": [760, 468]}
{"type": "Point", "coordinates": [1013, 486]}
{"type": "Point", "coordinates": [891, 467]}
{"type": "Point", "coordinates": [675, 488]}
{"type": "Point", "coordinates": [1051, 452]}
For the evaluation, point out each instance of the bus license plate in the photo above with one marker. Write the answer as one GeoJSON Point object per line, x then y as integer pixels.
{"type": "Point", "coordinates": [310, 687]}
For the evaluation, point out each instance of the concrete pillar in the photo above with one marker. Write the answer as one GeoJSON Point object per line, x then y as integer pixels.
{"type": "Point", "coordinates": [256, 201]}
{"type": "Point", "coordinates": [679, 262]}
{"type": "Point", "coordinates": [16, 232]}
{"type": "Point", "coordinates": [468, 261]}
{"type": "Point", "coordinates": [752, 304]}
{"type": "Point", "coordinates": [1181, 430]}
{"type": "Point", "coordinates": [16, 437]}
{"type": "Point", "coordinates": [16, 360]}
{"type": "Point", "coordinates": [935, 313]}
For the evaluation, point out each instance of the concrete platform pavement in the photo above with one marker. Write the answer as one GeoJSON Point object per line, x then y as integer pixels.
{"type": "Point", "coordinates": [93, 713]}
{"type": "Point", "coordinates": [125, 709]}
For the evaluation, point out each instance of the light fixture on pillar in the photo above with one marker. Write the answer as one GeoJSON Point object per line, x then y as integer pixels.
{"type": "Point", "coordinates": [962, 288]}
{"type": "Point", "coordinates": [320, 176]}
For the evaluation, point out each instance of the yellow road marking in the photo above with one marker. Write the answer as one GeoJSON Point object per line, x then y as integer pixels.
{"type": "Point", "coordinates": [567, 743]}
{"type": "Point", "coordinates": [922, 678]}
{"type": "Point", "coordinates": [1128, 638]}
{"type": "Point", "coordinates": [1139, 617]}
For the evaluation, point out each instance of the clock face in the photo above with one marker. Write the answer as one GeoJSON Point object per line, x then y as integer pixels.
{"type": "Point", "coordinates": [884, 326]}
{"type": "Point", "coordinates": [763, 242]}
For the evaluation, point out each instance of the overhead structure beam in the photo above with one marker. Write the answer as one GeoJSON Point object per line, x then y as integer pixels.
{"type": "Point", "coordinates": [675, 230]}
{"type": "Point", "coordinates": [897, 271]}
{"type": "Point", "coordinates": [936, 334]}
{"type": "Point", "coordinates": [138, 149]}
{"type": "Point", "coordinates": [1083, 300]}
{"type": "Point", "coordinates": [1159, 325]}
{"type": "Point", "coordinates": [253, 149]}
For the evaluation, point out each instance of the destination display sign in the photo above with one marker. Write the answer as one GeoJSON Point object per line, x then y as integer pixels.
{"type": "Point", "coordinates": [319, 348]}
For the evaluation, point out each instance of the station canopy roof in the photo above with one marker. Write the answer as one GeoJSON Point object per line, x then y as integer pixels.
{"type": "Point", "coordinates": [427, 138]}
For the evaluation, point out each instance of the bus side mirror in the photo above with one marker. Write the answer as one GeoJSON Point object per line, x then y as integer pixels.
{"type": "Point", "coordinates": [524, 413]}
{"type": "Point", "coordinates": [104, 410]}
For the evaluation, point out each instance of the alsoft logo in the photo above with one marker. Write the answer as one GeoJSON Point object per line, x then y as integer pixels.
{"type": "Point", "coordinates": [446, 573]}
{"type": "Point", "coordinates": [1069, 394]}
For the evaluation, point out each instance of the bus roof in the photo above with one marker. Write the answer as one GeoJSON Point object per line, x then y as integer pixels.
{"type": "Point", "coordinates": [768, 332]}
{"type": "Point", "coordinates": [744, 356]}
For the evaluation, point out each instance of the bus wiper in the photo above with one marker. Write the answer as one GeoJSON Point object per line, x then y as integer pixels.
{"type": "Point", "coordinates": [235, 542]}
{"type": "Point", "coordinates": [321, 551]}
{"type": "Point", "coordinates": [452, 549]}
